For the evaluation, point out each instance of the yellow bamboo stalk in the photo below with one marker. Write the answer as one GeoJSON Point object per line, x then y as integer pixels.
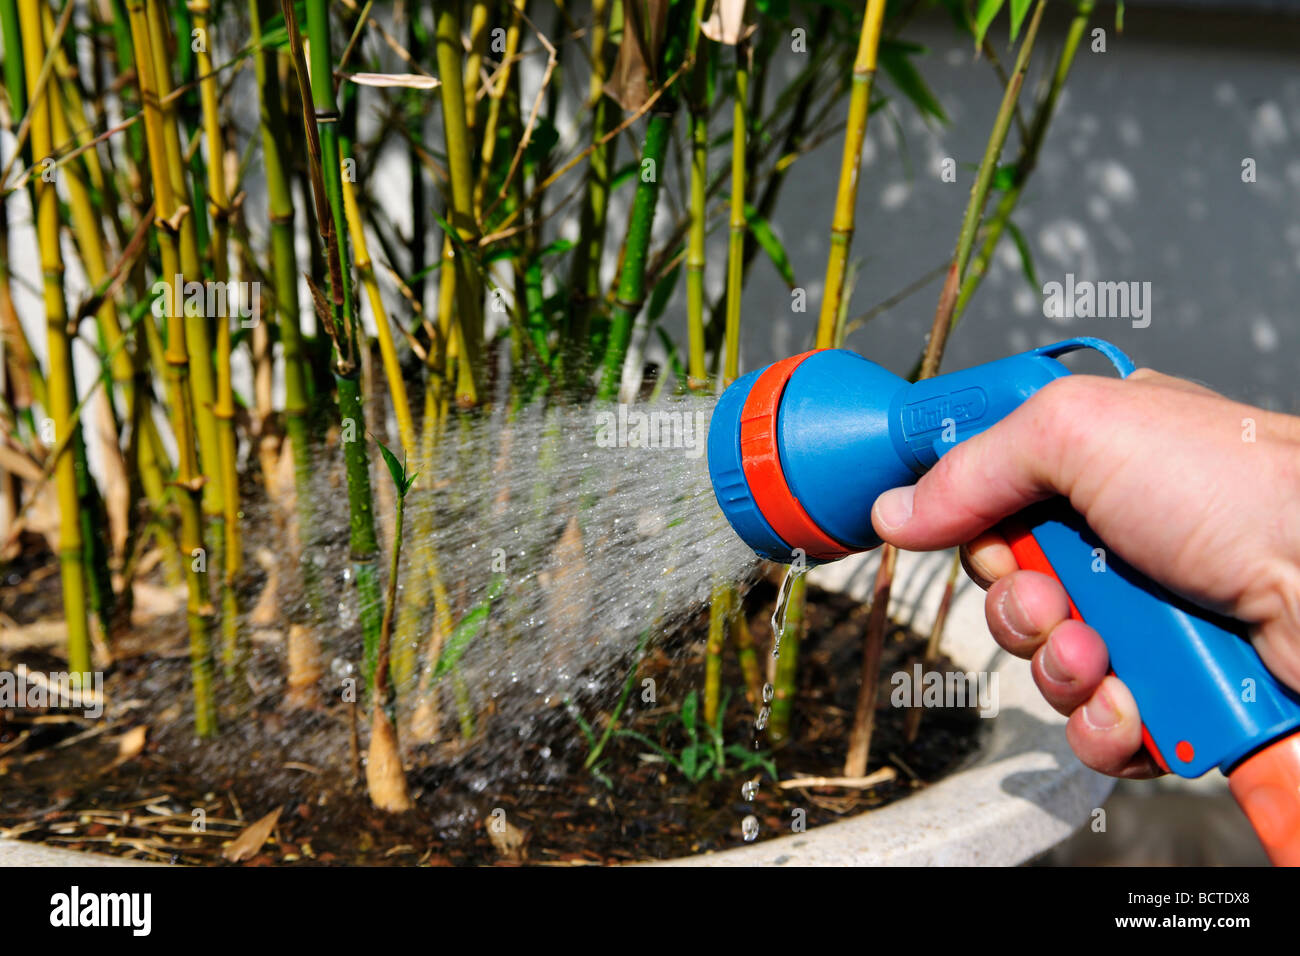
{"type": "Point", "coordinates": [202, 378]}
{"type": "Point", "coordinates": [864, 72]}
{"type": "Point", "coordinates": [387, 347]}
{"type": "Point", "coordinates": [223, 410]}
{"type": "Point", "coordinates": [177, 366]}
{"type": "Point", "coordinates": [61, 385]}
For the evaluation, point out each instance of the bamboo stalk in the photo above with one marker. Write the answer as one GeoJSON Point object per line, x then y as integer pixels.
{"type": "Point", "coordinates": [469, 298]}
{"type": "Point", "coordinates": [287, 310]}
{"type": "Point", "coordinates": [385, 780]}
{"type": "Point", "coordinates": [912, 722]}
{"type": "Point", "coordinates": [478, 37]}
{"type": "Point", "coordinates": [864, 714]}
{"type": "Point", "coordinates": [61, 382]}
{"type": "Point", "coordinates": [747, 655]}
{"type": "Point", "coordinates": [177, 366]}
{"type": "Point", "coordinates": [979, 194]}
{"type": "Point", "coordinates": [736, 245]}
{"type": "Point", "coordinates": [864, 71]}
{"type": "Point", "coordinates": [234, 650]}
{"type": "Point", "coordinates": [202, 377]}
{"type": "Point", "coordinates": [718, 612]}
{"type": "Point", "coordinates": [584, 274]}
{"type": "Point", "coordinates": [874, 638]}
{"type": "Point", "coordinates": [1025, 162]}
{"type": "Point", "coordinates": [387, 346]}
{"type": "Point", "coordinates": [321, 126]}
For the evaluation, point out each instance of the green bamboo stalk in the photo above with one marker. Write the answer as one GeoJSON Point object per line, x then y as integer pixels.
{"type": "Point", "coordinates": [584, 274]}
{"type": "Point", "coordinates": [177, 366]}
{"type": "Point", "coordinates": [321, 124]}
{"type": "Point", "coordinates": [61, 382]}
{"type": "Point", "coordinates": [630, 293]}
{"type": "Point", "coordinates": [979, 195]}
{"type": "Point", "coordinates": [1025, 162]}
{"type": "Point", "coordinates": [469, 295]}
{"type": "Point", "coordinates": [864, 71]}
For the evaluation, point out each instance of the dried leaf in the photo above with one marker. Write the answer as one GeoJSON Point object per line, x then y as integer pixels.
{"type": "Point", "coordinates": [131, 744]}
{"type": "Point", "coordinates": [410, 81]}
{"type": "Point", "coordinates": [636, 69]}
{"type": "Point", "coordinates": [727, 23]}
{"type": "Point", "coordinates": [250, 841]}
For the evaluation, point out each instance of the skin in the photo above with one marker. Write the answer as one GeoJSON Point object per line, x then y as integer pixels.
{"type": "Point", "coordinates": [1162, 470]}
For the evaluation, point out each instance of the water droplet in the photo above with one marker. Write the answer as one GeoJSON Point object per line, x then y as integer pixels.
{"type": "Point", "coordinates": [749, 789]}
{"type": "Point", "coordinates": [768, 693]}
{"type": "Point", "coordinates": [749, 828]}
{"type": "Point", "coordinates": [761, 721]}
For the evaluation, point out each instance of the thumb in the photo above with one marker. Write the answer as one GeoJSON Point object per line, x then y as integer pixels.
{"type": "Point", "coordinates": [984, 479]}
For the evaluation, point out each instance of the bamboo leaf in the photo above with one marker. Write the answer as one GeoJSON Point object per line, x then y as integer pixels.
{"type": "Point", "coordinates": [1026, 257]}
{"type": "Point", "coordinates": [769, 243]}
{"type": "Point", "coordinates": [984, 16]}
{"type": "Point", "coordinates": [397, 470]}
{"type": "Point", "coordinates": [894, 57]}
{"type": "Point", "coordinates": [1018, 10]}
{"type": "Point", "coordinates": [470, 627]}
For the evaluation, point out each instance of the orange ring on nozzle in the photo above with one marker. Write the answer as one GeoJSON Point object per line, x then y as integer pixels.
{"type": "Point", "coordinates": [761, 460]}
{"type": "Point", "coordinates": [1267, 787]}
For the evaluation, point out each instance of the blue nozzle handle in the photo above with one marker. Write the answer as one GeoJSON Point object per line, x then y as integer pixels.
{"type": "Point", "coordinates": [1205, 697]}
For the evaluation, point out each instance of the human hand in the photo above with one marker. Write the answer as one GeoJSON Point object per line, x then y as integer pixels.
{"type": "Point", "coordinates": [1164, 472]}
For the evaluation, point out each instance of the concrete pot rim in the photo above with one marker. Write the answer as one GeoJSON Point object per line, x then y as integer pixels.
{"type": "Point", "coordinates": [1021, 794]}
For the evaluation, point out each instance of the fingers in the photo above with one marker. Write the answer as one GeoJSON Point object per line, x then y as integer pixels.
{"type": "Point", "coordinates": [1106, 733]}
{"type": "Point", "coordinates": [1022, 609]}
{"type": "Point", "coordinates": [988, 558]}
{"type": "Point", "coordinates": [1028, 615]}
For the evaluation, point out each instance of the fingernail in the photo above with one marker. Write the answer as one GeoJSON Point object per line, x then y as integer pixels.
{"type": "Point", "coordinates": [1013, 612]}
{"type": "Point", "coordinates": [894, 507]}
{"type": "Point", "coordinates": [1100, 712]}
{"type": "Point", "coordinates": [1052, 666]}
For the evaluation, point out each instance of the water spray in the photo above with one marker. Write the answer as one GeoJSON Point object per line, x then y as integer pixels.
{"type": "Point", "coordinates": [800, 450]}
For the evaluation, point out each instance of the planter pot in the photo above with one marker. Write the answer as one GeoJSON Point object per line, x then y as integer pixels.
{"type": "Point", "coordinates": [1021, 793]}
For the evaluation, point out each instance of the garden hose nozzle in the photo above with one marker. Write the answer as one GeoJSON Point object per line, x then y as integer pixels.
{"type": "Point", "coordinates": [800, 450]}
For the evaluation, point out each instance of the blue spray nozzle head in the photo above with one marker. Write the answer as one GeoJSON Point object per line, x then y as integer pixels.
{"type": "Point", "coordinates": [800, 450]}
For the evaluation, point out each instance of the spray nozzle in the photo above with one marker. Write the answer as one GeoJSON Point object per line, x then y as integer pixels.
{"type": "Point", "coordinates": [800, 450]}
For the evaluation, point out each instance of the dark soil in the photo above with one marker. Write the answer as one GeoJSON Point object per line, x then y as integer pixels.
{"type": "Point", "coordinates": [66, 780]}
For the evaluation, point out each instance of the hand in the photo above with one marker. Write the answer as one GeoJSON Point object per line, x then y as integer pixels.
{"type": "Point", "coordinates": [1163, 471]}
